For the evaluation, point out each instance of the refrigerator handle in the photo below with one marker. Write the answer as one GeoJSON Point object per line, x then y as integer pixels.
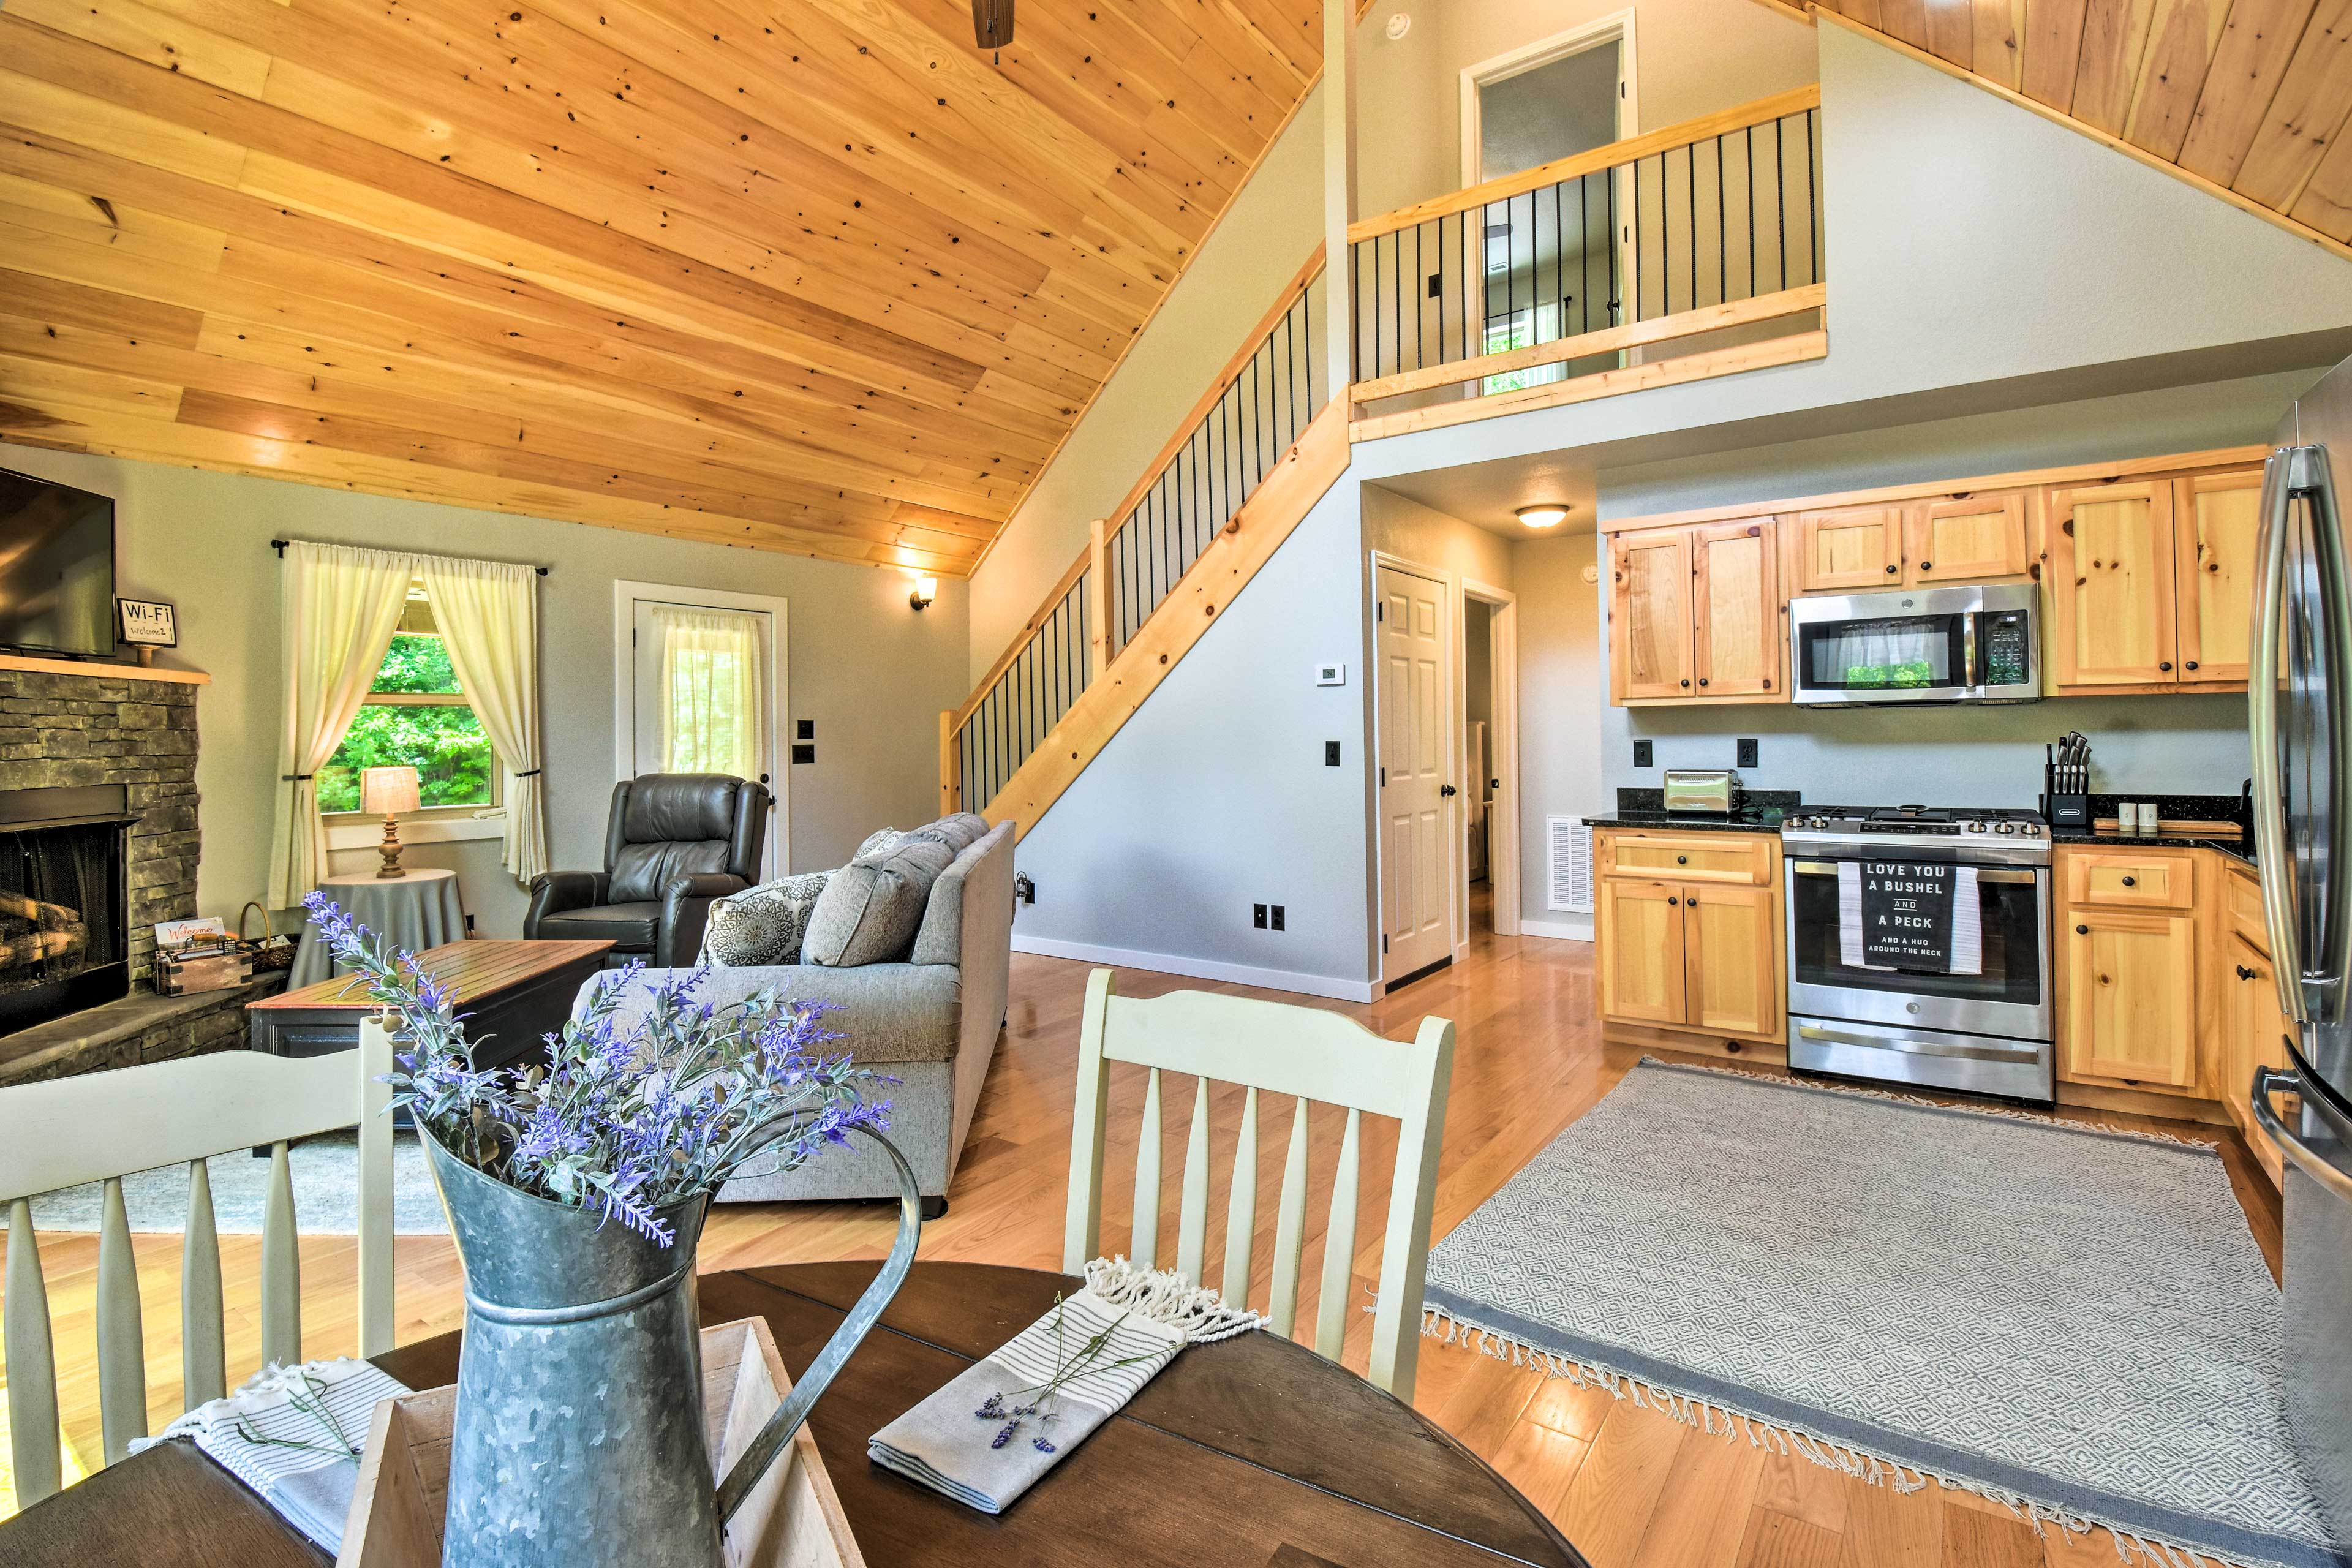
{"type": "Point", "coordinates": [2269, 1080]}
{"type": "Point", "coordinates": [2307, 475]}
{"type": "Point", "coordinates": [2271, 859]}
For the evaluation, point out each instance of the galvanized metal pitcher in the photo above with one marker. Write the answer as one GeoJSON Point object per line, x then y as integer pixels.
{"type": "Point", "coordinates": [579, 1438]}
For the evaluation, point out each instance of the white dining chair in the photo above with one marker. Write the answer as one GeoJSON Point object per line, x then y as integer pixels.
{"type": "Point", "coordinates": [103, 1126]}
{"type": "Point", "coordinates": [1304, 1052]}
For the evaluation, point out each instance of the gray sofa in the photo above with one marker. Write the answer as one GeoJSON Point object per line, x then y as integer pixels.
{"type": "Point", "coordinates": [931, 1021]}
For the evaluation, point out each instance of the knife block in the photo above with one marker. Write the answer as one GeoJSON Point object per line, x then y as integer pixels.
{"type": "Point", "coordinates": [2067, 810]}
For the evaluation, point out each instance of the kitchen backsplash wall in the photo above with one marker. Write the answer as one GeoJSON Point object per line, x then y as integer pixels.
{"type": "Point", "coordinates": [1964, 755]}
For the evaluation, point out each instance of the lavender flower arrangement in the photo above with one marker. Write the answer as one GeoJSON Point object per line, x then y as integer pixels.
{"type": "Point", "coordinates": [622, 1123]}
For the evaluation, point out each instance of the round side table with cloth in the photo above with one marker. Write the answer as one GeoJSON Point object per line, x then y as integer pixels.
{"type": "Point", "coordinates": [415, 911]}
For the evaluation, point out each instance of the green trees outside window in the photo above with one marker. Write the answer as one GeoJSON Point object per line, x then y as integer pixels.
{"type": "Point", "coordinates": [425, 723]}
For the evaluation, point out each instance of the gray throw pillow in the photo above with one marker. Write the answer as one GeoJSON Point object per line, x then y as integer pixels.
{"type": "Point", "coordinates": [877, 842]}
{"type": "Point", "coordinates": [763, 925]}
{"type": "Point", "coordinates": [871, 907]}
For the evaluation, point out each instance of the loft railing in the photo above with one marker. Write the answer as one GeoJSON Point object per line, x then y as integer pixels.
{"type": "Point", "coordinates": [1235, 436]}
{"type": "Point", "coordinates": [1706, 236]}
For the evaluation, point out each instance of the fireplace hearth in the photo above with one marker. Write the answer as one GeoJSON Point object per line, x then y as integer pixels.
{"type": "Point", "coordinates": [65, 909]}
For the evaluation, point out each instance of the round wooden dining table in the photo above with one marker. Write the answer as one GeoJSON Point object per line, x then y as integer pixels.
{"type": "Point", "coordinates": [1250, 1452]}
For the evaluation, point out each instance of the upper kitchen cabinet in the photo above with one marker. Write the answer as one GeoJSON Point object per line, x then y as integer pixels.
{"type": "Point", "coordinates": [2110, 586]}
{"type": "Point", "coordinates": [1967, 538]}
{"type": "Point", "coordinates": [1695, 615]}
{"type": "Point", "coordinates": [1650, 635]}
{"type": "Point", "coordinates": [2215, 518]}
{"type": "Point", "coordinates": [1849, 550]}
{"type": "Point", "coordinates": [1739, 632]}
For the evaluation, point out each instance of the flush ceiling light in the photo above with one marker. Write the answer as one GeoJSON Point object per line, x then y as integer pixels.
{"type": "Point", "coordinates": [1399, 25]}
{"type": "Point", "coordinates": [1550, 514]}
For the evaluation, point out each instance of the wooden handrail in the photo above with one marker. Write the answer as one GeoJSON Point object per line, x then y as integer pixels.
{"type": "Point", "coordinates": [1218, 388]}
{"type": "Point", "coordinates": [1795, 102]}
{"type": "Point", "coordinates": [1607, 339]}
{"type": "Point", "coordinates": [1020, 639]}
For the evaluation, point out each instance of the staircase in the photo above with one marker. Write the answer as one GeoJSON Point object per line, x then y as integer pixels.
{"type": "Point", "coordinates": [1249, 461]}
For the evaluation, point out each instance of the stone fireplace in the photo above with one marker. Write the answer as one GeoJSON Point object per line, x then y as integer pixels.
{"type": "Point", "coordinates": [98, 831]}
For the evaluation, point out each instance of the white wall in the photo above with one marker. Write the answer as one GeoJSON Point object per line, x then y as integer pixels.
{"type": "Point", "coordinates": [871, 671]}
{"type": "Point", "coordinates": [1214, 796]}
{"type": "Point", "coordinates": [1979, 256]}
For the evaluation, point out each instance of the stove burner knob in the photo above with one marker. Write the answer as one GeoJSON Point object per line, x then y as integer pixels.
{"type": "Point", "coordinates": [1976, 828]}
{"type": "Point", "coordinates": [2030, 829]}
{"type": "Point", "coordinates": [2005, 828]}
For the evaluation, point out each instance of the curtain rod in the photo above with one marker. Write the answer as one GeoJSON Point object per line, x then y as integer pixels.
{"type": "Point", "coordinates": [280, 545]}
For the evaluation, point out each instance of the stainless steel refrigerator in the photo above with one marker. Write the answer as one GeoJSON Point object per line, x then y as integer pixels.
{"type": "Point", "coordinates": [2300, 698]}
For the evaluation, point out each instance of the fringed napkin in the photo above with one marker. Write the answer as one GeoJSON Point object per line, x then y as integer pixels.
{"type": "Point", "coordinates": [986, 1437]}
{"type": "Point", "coordinates": [312, 1421]}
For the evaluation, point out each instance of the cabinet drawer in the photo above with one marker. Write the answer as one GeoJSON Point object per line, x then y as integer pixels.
{"type": "Point", "coordinates": [1738, 857]}
{"type": "Point", "coordinates": [2242, 902]}
{"type": "Point", "coordinates": [2131, 879]}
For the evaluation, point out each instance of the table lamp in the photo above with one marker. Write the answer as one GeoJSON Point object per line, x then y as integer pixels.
{"type": "Point", "coordinates": [386, 793]}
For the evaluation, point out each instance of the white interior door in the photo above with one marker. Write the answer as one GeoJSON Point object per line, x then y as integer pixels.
{"type": "Point", "coordinates": [1416, 797]}
{"type": "Point", "coordinates": [701, 689]}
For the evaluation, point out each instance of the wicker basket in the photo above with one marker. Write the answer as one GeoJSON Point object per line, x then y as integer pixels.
{"type": "Point", "coordinates": [270, 954]}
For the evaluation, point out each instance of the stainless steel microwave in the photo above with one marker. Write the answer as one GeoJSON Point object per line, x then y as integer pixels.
{"type": "Point", "coordinates": [1964, 643]}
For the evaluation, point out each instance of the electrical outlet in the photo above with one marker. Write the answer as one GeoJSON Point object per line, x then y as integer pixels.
{"type": "Point", "coordinates": [1024, 889]}
{"type": "Point", "coordinates": [1640, 754]}
{"type": "Point", "coordinates": [804, 754]}
{"type": "Point", "coordinates": [1277, 916]}
{"type": "Point", "coordinates": [1330, 754]}
{"type": "Point", "coordinates": [1747, 754]}
{"type": "Point", "coordinates": [1257, 917]}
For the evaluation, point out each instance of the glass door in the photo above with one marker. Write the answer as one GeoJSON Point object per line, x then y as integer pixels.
{"type": "Point", "coordinates": [1907, 653]}
{"type": "Point", "coordinates": [701, 689]}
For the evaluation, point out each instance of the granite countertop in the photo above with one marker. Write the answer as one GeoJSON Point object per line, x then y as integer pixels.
{"type": "Point", "coordinates": [2240, 850]}
{"type": "Point", "coordinates": [1760, 811]}
{"type": "Point", "coordinates": [2172, 808]}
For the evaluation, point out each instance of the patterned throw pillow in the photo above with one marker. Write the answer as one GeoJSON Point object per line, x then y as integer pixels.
{"type": "Point", "coordinates": [763, 925]}
{"type": "Point", "coordinates": [880, 841]}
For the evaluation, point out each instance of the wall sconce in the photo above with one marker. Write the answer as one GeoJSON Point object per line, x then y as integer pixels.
{"type": "Point", "coordinates": [926, 590]}
{"type": "Point", "coordinates": [1550, 514]}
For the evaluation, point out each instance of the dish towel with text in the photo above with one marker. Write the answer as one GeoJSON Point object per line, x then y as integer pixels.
{"type": "Point", "coordinates": [1959, 921]}
{"type": "Point", "coordinates": [309, 1486]}
{"type": "Point", "coordinates": [1005, 1420]}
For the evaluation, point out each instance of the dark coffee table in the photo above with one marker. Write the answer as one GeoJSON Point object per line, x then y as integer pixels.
{"type": "Point", "coordinates": [508, 993]}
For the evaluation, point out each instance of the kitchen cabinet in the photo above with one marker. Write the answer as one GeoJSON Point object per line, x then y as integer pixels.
{"type": "Point", "coordinates": [1967, 538]}
{"type": "Point", "coordinates": [1651, 642]}
{"type": "Point", "coordinates": [1740, 639]}
{"type": "Point", "coordinates": [1849, 550]}
{"type": "Point", "coordinates": [2131, 879]}
{"type": "Point", "coordinates": [1688, 931]}
{"type": "Point", "coordinates": [1638, 930]}
{"type": "Point", "coordinates": [2127, 989]}
{"type": "Point", "coordinates": [2110, 587]}
{"type": "Point", "coordinates": [1731, 942]}
{"type": "Point", "coordinates": [2215, 520]}
{"type": "Point", "coordinates": [1696, 615]}
{"type": "Point", "coordinates": [2254, 1035]}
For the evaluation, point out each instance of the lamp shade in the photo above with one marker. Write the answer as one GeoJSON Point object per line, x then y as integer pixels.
{"type": "Point", "coordinates": [387, 791]}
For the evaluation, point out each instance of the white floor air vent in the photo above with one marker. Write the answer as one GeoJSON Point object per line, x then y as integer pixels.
{"type": "Point", "coordinates": [1569, 844]}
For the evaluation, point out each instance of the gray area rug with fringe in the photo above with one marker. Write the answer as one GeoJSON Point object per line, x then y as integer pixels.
{"type": "Point", "coordinates": [2075, 1322]}
{"type": "Point", "coordinates": [325, 1172]}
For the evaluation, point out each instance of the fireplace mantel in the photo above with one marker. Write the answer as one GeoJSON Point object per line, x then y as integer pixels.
{"type": "Point", "coordinates": [101, 670]}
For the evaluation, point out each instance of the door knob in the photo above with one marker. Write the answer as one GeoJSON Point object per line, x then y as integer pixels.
{"type": "Point", "coordinates": [1445, 789]}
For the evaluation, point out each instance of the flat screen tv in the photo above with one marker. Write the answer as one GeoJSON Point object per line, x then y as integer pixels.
{"type": "Point", "coordinates": [57, 568]}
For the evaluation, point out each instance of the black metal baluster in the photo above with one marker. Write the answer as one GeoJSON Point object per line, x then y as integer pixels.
{"type": "Point", "coordinates": [1420, 290]}
{"type": "Point", "coordinates": [1722, 234]}
{"type": "Point", "coordinates": [1812, 205]}
{"type": "Point", "coordinates": [1780, 195]}
{"type": "Point", "coordinates": [1636, 219]}
{"type": "Point", "coordinates": [1398, 238]}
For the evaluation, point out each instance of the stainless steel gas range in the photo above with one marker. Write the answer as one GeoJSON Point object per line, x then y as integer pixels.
{"type": "Point", "coordinates": [1984, 1031]}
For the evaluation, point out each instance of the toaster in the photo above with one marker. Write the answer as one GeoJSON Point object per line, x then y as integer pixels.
{"type": "Point", "coordinates": [1701, 791]}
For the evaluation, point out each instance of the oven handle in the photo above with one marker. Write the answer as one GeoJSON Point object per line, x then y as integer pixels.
{"type": "Point", "coordinates": [1984, 873]}
{"type": "Point", "coordinates": [1913, 1048]}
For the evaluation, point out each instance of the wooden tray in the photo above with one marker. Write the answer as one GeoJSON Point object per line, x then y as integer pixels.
{"type": "Point", "coordinates": [794, 1518]}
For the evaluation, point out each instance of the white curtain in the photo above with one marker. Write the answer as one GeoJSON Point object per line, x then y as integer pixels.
{"type": "Point", "coordinates": [340, 606]}
{"type": "Point", "coordinates": [711, 702]}
{"type": "Point", "coordinates": [489, 615]}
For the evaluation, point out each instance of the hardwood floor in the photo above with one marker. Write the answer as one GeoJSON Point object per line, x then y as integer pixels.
{"type": "Point", "coordinates": [1631, 1486]}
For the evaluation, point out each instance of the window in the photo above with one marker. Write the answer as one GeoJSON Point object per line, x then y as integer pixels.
{"type": "Point", "coordinates": [415, 716]}
{"type": "Point", "coordinates": [1522, 327]}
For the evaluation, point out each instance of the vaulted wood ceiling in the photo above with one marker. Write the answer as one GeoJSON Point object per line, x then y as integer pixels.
{"type": "Point", "coordinates": [2247, 97]}
{"type": "Point", "coordinates": [806, 275]}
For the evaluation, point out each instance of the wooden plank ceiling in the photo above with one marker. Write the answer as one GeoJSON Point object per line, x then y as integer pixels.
{"type": "Point", "coordinates": [814, 276]}
{"type": "Point", "coordinates": [2246, 98]}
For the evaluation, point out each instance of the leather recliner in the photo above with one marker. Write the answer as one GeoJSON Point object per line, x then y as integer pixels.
{"type": "Point", "coordinates": [676, 842]}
